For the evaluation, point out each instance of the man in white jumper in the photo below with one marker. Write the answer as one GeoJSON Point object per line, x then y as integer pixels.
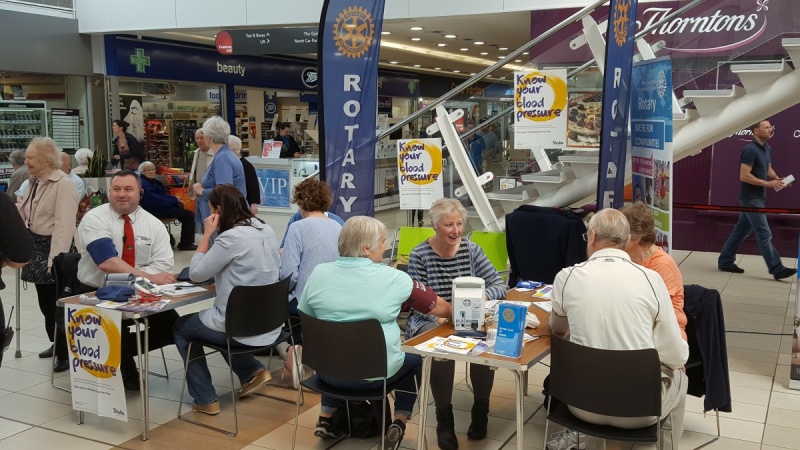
{"type": "Point", "coordinates": [611, 303]}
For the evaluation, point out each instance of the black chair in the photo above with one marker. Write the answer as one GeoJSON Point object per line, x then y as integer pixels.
{"type": "Point", "coordinates": [65, 273]}
{"type": "Point", "coordinates": [357, 353]}
{"type": "Point", "coordinates": [251, 311]}
{"type": "Point", "coordinates": [622, 383]}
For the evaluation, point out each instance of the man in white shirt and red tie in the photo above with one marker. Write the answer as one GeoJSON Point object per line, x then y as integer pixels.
{"type": "Point", "coordinates": [121, 237]}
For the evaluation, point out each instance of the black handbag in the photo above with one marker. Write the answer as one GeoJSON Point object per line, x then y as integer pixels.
{"type": "Point", "coordinates": [36, 271]}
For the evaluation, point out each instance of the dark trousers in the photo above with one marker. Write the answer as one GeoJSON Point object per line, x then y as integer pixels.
{"type": "Point", "coordinates": [53, 314]}
{"type": "Point", "coordinates": [186, 218]}
{"type": "Point", "coordinates": [160, 329]}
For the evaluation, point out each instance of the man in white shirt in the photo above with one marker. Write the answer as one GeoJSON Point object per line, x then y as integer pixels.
{"type": "Point", "coordinates": [106, 249]}
{"type": "Point", "coordinates": [611, 303]}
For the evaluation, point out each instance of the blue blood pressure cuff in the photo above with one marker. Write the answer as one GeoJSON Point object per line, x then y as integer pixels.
{"type": "Point", "coordinates": [101, 250]}
{"type": "Point", "coordinates": [115, 293]}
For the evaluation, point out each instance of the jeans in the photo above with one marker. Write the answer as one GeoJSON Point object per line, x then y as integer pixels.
{"type": "Point", "coordinates": [404, 396]}
{"type": "Point", "coordinates": [749, 222]}
{"type": "Point", "coordinates": [198, 378]}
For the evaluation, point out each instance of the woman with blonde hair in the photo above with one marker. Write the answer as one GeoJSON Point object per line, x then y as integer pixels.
{"type": "Point", "coordinates": [48, 209]}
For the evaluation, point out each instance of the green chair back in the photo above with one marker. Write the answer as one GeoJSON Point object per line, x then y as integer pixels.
{"type": "Point", "coordinates": [494, 245]}
{"type": "Point", "coordinates": [409, 237]}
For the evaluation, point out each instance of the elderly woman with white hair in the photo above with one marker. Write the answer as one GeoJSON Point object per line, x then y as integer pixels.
{"type": "Point", "coordinates": [253, 195]}
{"type": "Point", "coordinates": [48, 209]}
{"type": "Point", "coordinates": [358, 287]}
{"type": "Point", "coordinates": [225, 168]}
{"type": "Point", "coordinates": [157, 202]}
{"type": "Point", "coordinates": [436, 262]}
{"type": "Point", "coordinates": [82, 157]}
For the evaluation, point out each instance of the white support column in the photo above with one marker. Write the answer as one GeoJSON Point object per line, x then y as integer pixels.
{"type": "Point", "coordinates": [594, 38]}
{"type": "Point", "coordinates": [444, 124]}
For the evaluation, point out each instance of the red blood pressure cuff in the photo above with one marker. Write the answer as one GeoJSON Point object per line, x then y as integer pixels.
{"type": "Point", "coordinates": [422, 298]}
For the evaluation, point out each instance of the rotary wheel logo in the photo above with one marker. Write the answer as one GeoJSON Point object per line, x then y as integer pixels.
{"type": "Point", "coordinates": [621, 19]}
{"type": "Point", "coordinates": [661, 84]}
{"type": "Point", "coordinates": [353, 31]}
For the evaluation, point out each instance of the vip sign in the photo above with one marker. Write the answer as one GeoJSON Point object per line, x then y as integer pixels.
{"type": "Point", "coordinates": [540, 101]}
{"type": "Point", "coordinates": [420, 172]}
{"type": "Point", "coordinates": [93, 339]}
{"type": "Point", "coordinates": [274, 184]}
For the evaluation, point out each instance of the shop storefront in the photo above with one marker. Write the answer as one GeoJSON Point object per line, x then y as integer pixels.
{"type": "Point", "coordinates": [45, 84]}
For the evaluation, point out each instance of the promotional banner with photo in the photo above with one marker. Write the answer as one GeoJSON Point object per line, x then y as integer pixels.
{"type": "Point", "coordinates": [419, 163]}
{"type": "Point", "coordinates": [93, 338]}
{"type": "Point", "coordinates": [651, 140]}
{"type": "Point", "coordinates": [794, 375]}
{"type": "Point", "coordinates": [540, 117]}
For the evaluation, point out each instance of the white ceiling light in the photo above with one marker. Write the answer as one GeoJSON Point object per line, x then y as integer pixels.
{"type": "Point", "coordinates": [440, 54]}
{"type": "Point", "coordinates": [416, 39]}
{"type": "Point", "coordinates": [484, 53]}
{"type": "Point", "coordinates": [437, 68]}
{"type": "Point", "coordinates": [456, 71]}
{"type": "Point", "coordinates": [464, 49]}
{"type": "Point", "coordinates": [392, 62]}
{"type": "Point", "coordinates": [450, 36]}
{"type": "Point", "coordinates": [416, 28]}
{"type": "Point", "coordinates": [441, 44]}
{"type": "Point", "coordinates": [417, 65]}
{"type": "Point", "coordinates": [478, 42]}
{"type": "Point", "coordinates": [524, 53]}
{"type": "Point", "coordinates": [386, 32]}
{"type": "Point", "coordinates": [502, 49]}
{"type": "Point", "coordinates": [518, 60]}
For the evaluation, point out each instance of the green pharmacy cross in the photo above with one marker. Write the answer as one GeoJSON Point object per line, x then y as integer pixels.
{"type": "Point", "coordinates": [140, 61]}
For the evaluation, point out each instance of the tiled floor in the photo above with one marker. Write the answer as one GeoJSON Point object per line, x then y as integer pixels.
{"type": "Point", "coordinates": [766, 414]}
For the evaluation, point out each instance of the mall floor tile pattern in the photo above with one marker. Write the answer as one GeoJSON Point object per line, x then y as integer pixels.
{"type": "Point", "coordinates": [766, 414]}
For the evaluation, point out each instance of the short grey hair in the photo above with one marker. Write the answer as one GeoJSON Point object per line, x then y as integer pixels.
{"type": "Point", "coordinates": [612, 227]}
{"type": "Point", "coordinates": [145, 165]}
{"type": "Point", "coordinates": [359, 232]}
{"type": "Point", "coordinates": [49, 152]}
{"type": "Point", "coordinates": [216, 130]}
{"type": "Point", "coordinates": [235, 143]}
{"type": "Point", "coordinates": [82, 156]}
{"type": "Point", "coordinates": [445, 206]}
{"type": "Point", "coordinates": [17, 157]}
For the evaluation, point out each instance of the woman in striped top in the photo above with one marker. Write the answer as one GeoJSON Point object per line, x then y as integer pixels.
{"type": "Point", "coordinates": [435, 263]}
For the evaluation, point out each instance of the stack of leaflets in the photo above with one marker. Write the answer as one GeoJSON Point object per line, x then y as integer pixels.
{"type": "Point", "coordinates": [456, 344]}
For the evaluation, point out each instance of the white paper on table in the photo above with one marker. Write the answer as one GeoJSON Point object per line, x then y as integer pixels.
{"type": "Point", "coordinates": [544, 306]}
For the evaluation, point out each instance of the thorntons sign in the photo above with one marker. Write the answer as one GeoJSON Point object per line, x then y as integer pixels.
{"type": "Point", "coordinates": [713, 26]}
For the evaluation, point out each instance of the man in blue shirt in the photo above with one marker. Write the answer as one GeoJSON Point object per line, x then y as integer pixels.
{"type": "Point", "coordinates": [756, 175]}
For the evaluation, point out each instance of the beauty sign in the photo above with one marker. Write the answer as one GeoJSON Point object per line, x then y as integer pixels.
{"type": "Point", "coordinates": [419, 172]}
{"type": "Point", "coordinates": [540, 102]}
{"type": "Point", "coordinates": [93, 339]}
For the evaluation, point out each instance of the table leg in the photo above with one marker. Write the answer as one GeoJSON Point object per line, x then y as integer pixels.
{"type": "Point", "coordinates": [424, 393]}
{"type": "Point", "coordinates": [146, 373]}
{"type": "Point", "coordinates": [518, 378]}
{"type": "Point", "coordinates": [142, 362]}
{"type": "Point", "coordinates": [525, 382]}
{"type": "Point", "coordinates": [18, 353]}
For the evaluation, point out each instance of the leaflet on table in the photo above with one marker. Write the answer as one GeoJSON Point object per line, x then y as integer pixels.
{"type": "Point", "coordinates": [180, 289]}
{"type": "Point", "coordinates": [135, 306]}
{"type": "Point", "coordinates": [539, 292]}
{"type": "Point", "coordinates": [453, 344]}
{"type": "Point", "coordinates": [544, 306]}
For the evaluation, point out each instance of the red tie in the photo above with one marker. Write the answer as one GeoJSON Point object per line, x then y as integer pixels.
{"type": "Point", "coordinates": [128, 243]}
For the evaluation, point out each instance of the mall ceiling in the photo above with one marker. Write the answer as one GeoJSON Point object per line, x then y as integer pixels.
{"type": "Point", "coordinates": [453, 47]}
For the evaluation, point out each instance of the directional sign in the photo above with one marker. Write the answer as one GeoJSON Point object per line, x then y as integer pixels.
{"type": "Point", "coordinates": [276, 41]}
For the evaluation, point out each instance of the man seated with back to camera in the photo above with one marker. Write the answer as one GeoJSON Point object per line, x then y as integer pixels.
{"type": "Point", "coordinates": [611, 303]}
{"type": "Point", "coordinates": [121, 237]}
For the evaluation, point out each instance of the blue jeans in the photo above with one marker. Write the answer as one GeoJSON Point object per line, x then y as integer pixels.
{"type": "Point", "coordinates": [404, 397]}
{"type": "Point", "coordinates": [749, 222]}
{"type": "Point", "coordinates": [198, 378]}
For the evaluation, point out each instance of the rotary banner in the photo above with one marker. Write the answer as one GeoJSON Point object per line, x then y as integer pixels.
{"type": "Point", "coordinates": [93, 338]}
{"type": "Point", "coordinates": [616, 99]}
{"type": "Point", "coordinates": [349, 46]}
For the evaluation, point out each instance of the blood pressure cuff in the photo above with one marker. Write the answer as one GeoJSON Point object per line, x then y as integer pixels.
{"type": "Point", "coordinates": [422, 298]}
{"type": "Point", "coordinates": [115, 293]}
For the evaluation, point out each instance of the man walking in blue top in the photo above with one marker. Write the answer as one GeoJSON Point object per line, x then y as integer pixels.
{"type": "Point", "coordinates": [756, 175]}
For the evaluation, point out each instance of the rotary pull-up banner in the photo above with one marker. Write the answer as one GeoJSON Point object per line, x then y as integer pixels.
{"type": "Point", "coordinates": [616, 102]}
{"type": "Point", "coordinates": [349, 47]}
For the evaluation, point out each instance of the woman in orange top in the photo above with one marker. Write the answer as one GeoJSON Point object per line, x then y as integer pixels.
{"type": "Point", "coordinates": [643, 251]}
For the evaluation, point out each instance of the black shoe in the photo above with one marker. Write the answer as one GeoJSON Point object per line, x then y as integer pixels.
{"type": "Point", "coordinates": [47, 353]}
{"type": "Point", "coordinates": [445, 428]}
{"type": "Point", "coordinates": [60, 366]}
{"type": "Point", "coordinates": [480, 419]}
{"type": "Point", "coordinates": [394, 435]}
{"type": "Point", "coordinates": [130, 380]}
{"type": "Point", "coordinates": [785, 273]}
{"type": "Point", "coordinates": [326, 429]}
{"type": "Point", "coordinates": [733, 268]}
{"type": "Point", "coordinates": [187, 247]}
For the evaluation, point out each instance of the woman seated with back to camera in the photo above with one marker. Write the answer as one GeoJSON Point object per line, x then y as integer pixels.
{"type": "Point", "coordinates": [357, 287]}
{"type": "Point", "coordinates": [309, 242]}
{"type": "Point", "coordinates": [436, 262]}
{"type": "Point", "coordinates": [643, 251]}
{"type": "Point", "coordinates": [245, 253]}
